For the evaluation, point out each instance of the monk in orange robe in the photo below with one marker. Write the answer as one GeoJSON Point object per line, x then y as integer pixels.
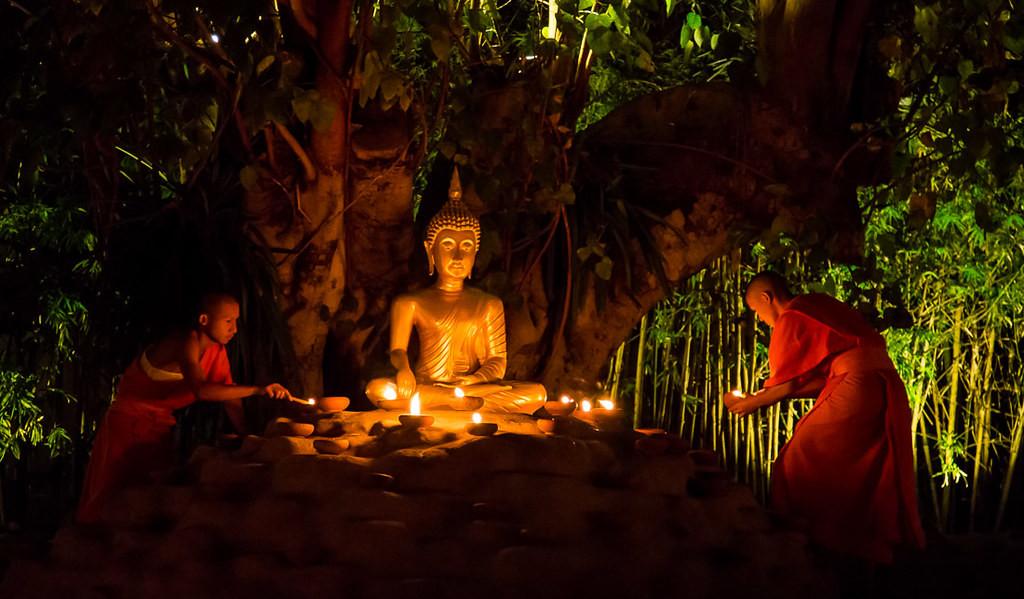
{"type": "Point", "coordinates": [134, 439]}
{"type": "Point", "coordinates": [847, 472]}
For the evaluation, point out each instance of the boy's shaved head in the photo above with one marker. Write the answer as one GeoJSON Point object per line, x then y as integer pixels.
{"type": "Point", "coordinates": [212, 301]}
{"type": "Point", "coordinates": [771, 282]}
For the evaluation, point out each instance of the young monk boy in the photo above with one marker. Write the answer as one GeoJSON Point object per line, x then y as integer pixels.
{"type": "Point", "coordinates": [134, 438]}
{"type": "Point", "coordinates": [847, 472]}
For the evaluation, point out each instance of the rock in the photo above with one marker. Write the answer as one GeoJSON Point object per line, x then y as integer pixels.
{"type": "Point", "coordinates": [250, 445]}
{"type": "Point", "coordinates": [288, 428]}
{"type": "Point", "coordinates": [279, 525]}
{"type": "Point", "coordinates": [563, 456]}
{"type": "Point", "coordinates": [317, 475]}
{"type": "Point", "coordinates": [367, 504]}
{"type": "Point", "coordinates": [330, 447]}
{"type": "Point", "coordinates": [379, 546]}
{"type": "Point", "coordinates": [329, 427]}
{"type": "Point", "coordinates": [191, 543]}
{"type": "Point", "coordinates": [419, 470]}
{"type": "Point", "coordinates": [664, 474]}
{"type": "Point", "coordinates": [278, 448]}
{"type": "Point", "coordinates": [377, 480]}
{"type": "Point", "coordinates": [224, 472]}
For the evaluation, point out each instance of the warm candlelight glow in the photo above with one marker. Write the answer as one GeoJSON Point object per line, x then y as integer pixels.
{"type": "Point", "coordinates": [737, 393]}
{"type": "Point", "coordinates": [311, 401]}
{"type": "Point", "coordinates": [477, 419]}
{"type": "Point", "coordinates": [459, 392]}
{"type": "Point", "coordinates": [390, 392]}
{"type": "Point", "coordinates": [565, 399]}
{"type": "Point", "coordinates": [607, 404]}
{"type": "Point", "coordinates": [586, 405]}
{"type": "Point", "coordinates": [414, 404]}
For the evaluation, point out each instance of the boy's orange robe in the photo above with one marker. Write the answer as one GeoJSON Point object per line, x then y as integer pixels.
{"type": "Point", "coordinates": [135, 437]}
{"type": "Point", "coordinates": [847, 472]}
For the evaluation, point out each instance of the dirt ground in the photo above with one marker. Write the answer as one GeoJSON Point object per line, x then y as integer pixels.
{"type": "Point", "coordinates": [955, 567]}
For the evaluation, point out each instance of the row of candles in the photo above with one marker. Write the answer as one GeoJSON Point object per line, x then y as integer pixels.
{"type": "Point", "coordinates": [604, 414]}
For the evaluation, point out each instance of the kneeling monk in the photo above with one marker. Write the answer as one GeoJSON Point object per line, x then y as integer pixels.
{"type": "Point", "coordinates": [847, 472]}
{"type": "Point", "coordinates": [134, 438]}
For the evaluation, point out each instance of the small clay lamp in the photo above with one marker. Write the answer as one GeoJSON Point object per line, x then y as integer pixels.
{"type": "Point", "coordinates": [563, 407]}
{"type": "Point", "coordinates": [414, 419]}
{"type": "Point", "coordinates": [333, 404]}
{"type": "Point", "coordinates": [479, 428]}
{"type": "Point", "coordinates": [607, 416]}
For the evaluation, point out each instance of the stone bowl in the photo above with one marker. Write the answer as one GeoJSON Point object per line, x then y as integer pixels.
{"type": "Point", "coordinates": [413, 421]}
{"type": "Point", "coordinates": [558, 408]}
{"type": "Point", "coordinates": [330, 446]}
{"type": "Point", "coordinates": [284, 427]}
{"type": "Point", "coordinates": [482, 429]}
{"type": "Point", "coordinates": [332, 404]}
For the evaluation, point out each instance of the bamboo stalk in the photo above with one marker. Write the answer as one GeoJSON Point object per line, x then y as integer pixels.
{"type": "Point", "coordinates": [1016, 435]}
{"type": "Point", "coordinates": [954, 389]}
{"type": "Point", "coordinates": [637, 391]}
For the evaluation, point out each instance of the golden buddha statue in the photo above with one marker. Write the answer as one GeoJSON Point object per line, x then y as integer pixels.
{"type": "Point", "coordinates": [461, 330]}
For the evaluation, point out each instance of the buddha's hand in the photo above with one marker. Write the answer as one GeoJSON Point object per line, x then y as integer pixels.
{"type": "Point", "coordinates": [277, 391]}
{"type": "Point", "coordinates": [467, 380]}
{"type": "Point", "coordinates": [406, 382]}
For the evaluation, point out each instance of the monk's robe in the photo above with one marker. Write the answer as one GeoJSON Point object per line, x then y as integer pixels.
{"type": "Point", "coordinates": [135, 437]}
{"type": "Point", "coordinates": [847, 472]}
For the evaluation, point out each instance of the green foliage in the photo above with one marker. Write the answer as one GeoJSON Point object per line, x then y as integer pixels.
{"type": "Point", "coordinates": [926, 282]}
{"type": "Point", "coordinates": [22, 422]}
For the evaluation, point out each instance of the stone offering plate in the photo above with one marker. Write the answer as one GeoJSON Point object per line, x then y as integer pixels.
{"type": "Point", "coordinates": [559, 408]}
{"type": "Point", "coordinates": [412, 421]}
{"type": "Point", "coordinates": [332, 404]}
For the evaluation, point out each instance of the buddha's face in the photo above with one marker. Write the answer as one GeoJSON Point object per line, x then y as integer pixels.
{"type": "Point", "coordinates": [453, 254]}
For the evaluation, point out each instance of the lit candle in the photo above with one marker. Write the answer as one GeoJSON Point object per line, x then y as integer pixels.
{"type": "Point", "coordinates": [586, 406]}
{"type": "Point", "coordinates": [607, 416]}
{"type": "Point", "coordinates": [414, 419]}
{"type": "Point", "coordinates": [390, 392]}
{"type": "Point", "coordinates": [480, 428]}
{"type": "Point", "coordinates": [565, 399]}
{"type": "Point", "coordinates": [311, 401]}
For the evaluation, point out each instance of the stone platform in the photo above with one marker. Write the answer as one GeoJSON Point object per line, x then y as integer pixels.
{"type": "Point", "coordinates": [353, 505]}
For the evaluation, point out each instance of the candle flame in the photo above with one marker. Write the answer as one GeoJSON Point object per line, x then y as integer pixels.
{"type": "Point", "coordinates": [607, 404]}
{"type": "Point", "coordinates": [414, 404]}
{"type": "Point", "coordinates": [459, 392]}
{"type": "Point", "coordinates": [390, 392]}
{"type": "Point", "coordinates": [477, 419]}
{"type": "Point", "coordinates": [586, 405]}
{"type": "Point", "coordinates": [737, 393]}
{"type": "Point", "coordinates": [565, 399]}
{"type": "Point", "coordinates": [311, 401]}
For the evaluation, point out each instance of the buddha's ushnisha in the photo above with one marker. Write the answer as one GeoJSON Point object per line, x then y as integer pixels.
{"type": "Point", "coordinates": [461, 330]}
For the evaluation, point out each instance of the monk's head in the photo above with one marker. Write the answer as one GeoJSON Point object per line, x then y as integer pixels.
{"type": "Point", "coordinates": [768, 295]}
{"type": "Point", "coordinates": [218, 317]}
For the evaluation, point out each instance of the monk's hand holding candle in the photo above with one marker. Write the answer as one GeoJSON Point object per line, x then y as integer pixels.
{"type": "Point", "coordinates": [277, 391]}
{"type": "Point", "coordinates": [739, 403]}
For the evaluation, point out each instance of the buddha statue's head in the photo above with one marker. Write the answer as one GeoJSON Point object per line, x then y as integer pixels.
{"type": "Point", "coordinates": [453, 236]}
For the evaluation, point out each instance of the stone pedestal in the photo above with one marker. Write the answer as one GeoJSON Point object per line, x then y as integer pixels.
{"type": "Point", "coordinates": [361, 507]}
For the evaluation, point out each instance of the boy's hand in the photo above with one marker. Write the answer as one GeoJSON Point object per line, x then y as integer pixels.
{"type": "Point", "coordinates": [278, 392]}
